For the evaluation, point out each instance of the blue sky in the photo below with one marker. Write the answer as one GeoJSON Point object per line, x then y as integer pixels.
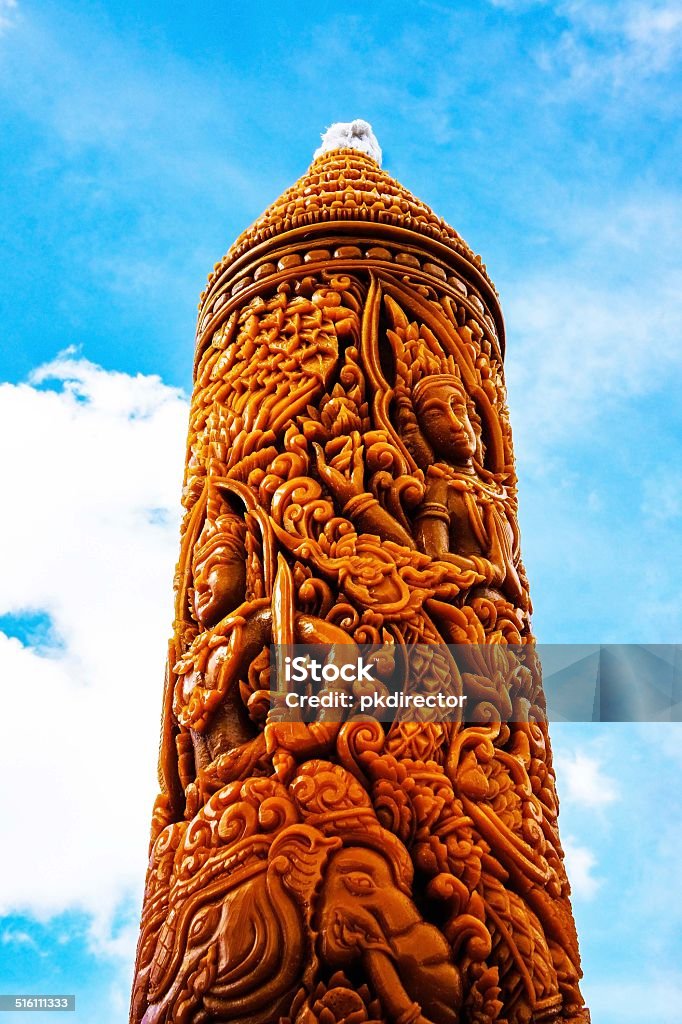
{"type": "Point", "coordinates": [137, 141]}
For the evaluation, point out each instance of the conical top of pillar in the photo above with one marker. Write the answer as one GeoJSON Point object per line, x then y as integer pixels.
{"type": "Point", "coordinates": [346, 191]}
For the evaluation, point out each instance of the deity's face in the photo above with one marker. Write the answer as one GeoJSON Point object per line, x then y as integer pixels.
{"type": "Point", "coordinates": [219, 569]}
{"type": "Point", "coordinates": [441, 407]}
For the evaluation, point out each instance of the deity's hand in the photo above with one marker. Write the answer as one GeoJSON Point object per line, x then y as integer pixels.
{"type": "Point", "coordinates": [502, 556]}
{"type": "Point", "coordinates": [516, 591]}
{"type": "Point", "coordinates": [343, 488]}
{"type": "Point", "coordinates": [290, 742]}
{"type": "Point", "coordinates": [358, 504]}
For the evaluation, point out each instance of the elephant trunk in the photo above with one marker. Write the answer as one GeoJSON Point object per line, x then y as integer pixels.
{"type": "Point", "coordinates": [386, 982]}
{"type": "Point", "coordinates": [417, 989]}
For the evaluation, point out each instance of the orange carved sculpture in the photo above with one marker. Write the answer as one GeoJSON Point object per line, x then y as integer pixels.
{"type": "Point", "coordinates": [350, 480]}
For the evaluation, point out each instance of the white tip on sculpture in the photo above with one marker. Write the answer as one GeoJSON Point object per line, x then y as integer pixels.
{"type": "Point", "coordinates": [350, 135]}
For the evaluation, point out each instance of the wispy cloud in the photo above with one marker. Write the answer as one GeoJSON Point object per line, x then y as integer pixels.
{"type": "Point", "coordinates": [588, 334]}
{"type": "Point", "coordinates": [585, 780]}
{"type": "Point", "coordinates": [138, 154]}
{"type": "Point", "coordinates": [518, 5]}
{"type": "Point", "coordinates": [619, 45]}
{"type": "Point", "coordinates": [580, 863]}
{"type": "Point", "coordinates": [102, 94]}
{"type": "Point", "coordinates": [593, 350]}
{"type": "Point", "coordinates": [17, 937]}
{"type": "Point", "coordinates": [8, 11]}
{"type": "Point", "coordinates": [622, 861]}
{"type": "Point", "coordinates": [585, 783]}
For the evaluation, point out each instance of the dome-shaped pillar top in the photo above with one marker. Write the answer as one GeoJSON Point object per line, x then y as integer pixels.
{"type": "Point", "coordinates": [345, 198]}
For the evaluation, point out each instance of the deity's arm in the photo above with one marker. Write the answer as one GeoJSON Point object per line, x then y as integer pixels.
{"type": "Point", "coordinates": [432, 521]}
{"type": "Point", "coordinates": [451, 527]}
{"type": "Point", "coordinates": [502, 555]}
{"type": "Point", "coordinates": [359, 505]}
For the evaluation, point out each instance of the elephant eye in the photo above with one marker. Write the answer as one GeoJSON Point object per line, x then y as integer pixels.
{"type": "Point", "coordinates": [358, 882]}
{"type": "Point", "coordinates": [203, 924]}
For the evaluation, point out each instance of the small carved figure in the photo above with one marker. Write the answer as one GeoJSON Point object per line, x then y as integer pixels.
{"type": "Point", "coordinates": [219, 567]}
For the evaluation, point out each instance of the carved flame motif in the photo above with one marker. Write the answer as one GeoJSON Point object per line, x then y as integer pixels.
{"type": "Point", "coordinates": [350, 479]}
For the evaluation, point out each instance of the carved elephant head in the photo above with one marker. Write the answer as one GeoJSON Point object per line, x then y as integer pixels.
{"type": "Point", "coordinates": [364, 916]}
{"type": "Point", "coordinates": [234, 942]}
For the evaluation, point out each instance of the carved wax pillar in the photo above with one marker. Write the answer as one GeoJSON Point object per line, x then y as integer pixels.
{"type": "Point", "coordinates": [350, 479]}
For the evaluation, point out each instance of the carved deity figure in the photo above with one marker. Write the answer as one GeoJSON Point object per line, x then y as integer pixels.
{"type": "Point", "coordinates": [461, 516]}
{"type": "Point", "coordinates": [350, 481]}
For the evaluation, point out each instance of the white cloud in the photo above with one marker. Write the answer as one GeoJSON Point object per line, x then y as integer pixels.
{"type": "Point", "coordinates": [93, 460]}
{"type": "Point", "coordinates": [654, 26]}
{"type": "Point", "coordinates": [625, 871]}
{"type": "Point", "coordinates": [7, 12]}
{"type": "Point", "coordinates": [584, 786]}
{"type": "Point", "coordinates": [580, 863]}
{"type": "Point", "coordinates": [583, 780]}
{"type": "Point", "coordinates": [593, 355]}
{"type": "Point", "coordinates": [572, 356]}
{"type": "Point", "coordinates": [17, 937]}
